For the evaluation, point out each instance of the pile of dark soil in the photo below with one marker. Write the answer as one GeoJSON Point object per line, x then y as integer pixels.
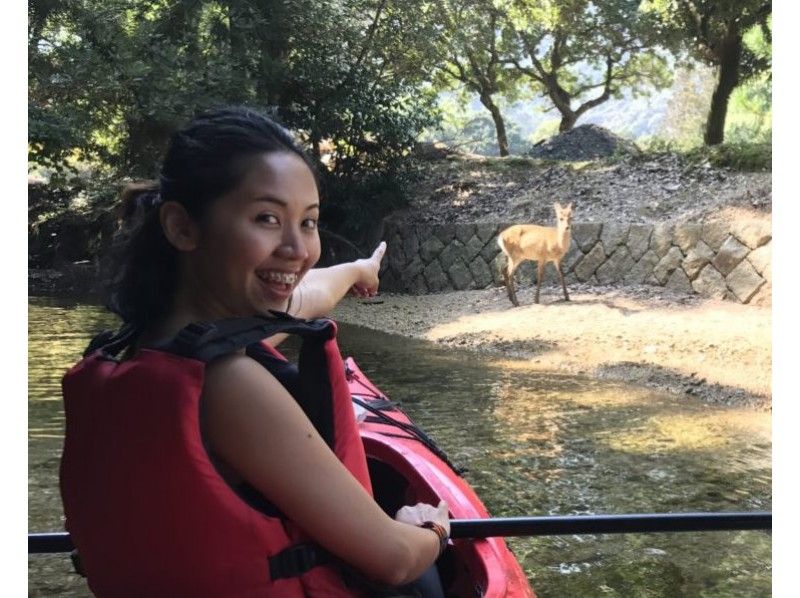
{"type": "Point", "coordinates": [585, 142]}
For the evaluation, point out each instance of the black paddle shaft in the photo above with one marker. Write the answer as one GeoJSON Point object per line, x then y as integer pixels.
{"type": "Point", "coordinates": [608, 524]}
{"type": "Point", "coordinates": [538, 526]}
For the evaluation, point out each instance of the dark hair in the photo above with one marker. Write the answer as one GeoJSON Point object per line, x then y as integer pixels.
{"type": "Point", "coordinates": [204, 160]}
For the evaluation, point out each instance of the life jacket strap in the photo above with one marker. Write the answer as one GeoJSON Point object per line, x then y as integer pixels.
{"type": "Point", "coordinates": [297, 560]}
{"type": "Point", "coordinates": [205, 341]}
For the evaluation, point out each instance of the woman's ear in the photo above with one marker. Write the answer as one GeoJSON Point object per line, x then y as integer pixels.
{"type": "Point", "coordinates": [179, 227]}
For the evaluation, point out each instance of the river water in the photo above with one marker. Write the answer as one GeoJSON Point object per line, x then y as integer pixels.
{"type": "Point", "coordinates": [533, 443]}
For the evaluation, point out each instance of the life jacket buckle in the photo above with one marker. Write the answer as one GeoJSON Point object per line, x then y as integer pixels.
{"type": "Point", "coordinates": [295, 561]}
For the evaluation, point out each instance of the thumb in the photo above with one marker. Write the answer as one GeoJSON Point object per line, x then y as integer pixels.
{"type": "Point", "coordinates": [443, 508]}
{"type": "Point", "coordinates": [379, 251]}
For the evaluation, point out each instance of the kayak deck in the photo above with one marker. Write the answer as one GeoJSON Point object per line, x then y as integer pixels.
{"type": "Point", "coordinates": [407, 468]}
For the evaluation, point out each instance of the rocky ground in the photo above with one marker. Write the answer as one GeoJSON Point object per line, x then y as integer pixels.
{"type": "Point", "coordinates": [632, 188]}
{"type": "Point", "coordinates": [717, 351]}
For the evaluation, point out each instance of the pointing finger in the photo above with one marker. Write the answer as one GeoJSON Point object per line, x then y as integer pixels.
{"type": "Point", "coordinates": [379, 251]}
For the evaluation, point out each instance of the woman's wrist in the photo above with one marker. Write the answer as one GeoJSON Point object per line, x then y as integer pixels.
{"type": "Point", "coordinates": [440, 532]}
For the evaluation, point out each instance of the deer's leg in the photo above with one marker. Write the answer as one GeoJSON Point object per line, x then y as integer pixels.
{"type": "Point", "coordinates": [508, 275]}
{"type": "Point", "coordinates": [563, 286]}
{"type": "Point", "coordinates": [539, 273]}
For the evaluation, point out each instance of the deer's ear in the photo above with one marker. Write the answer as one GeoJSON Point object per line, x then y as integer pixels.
{"type": "Point", "coordinates": [557, 206]}
{"type": "Point", "coordinates": [569, 206]}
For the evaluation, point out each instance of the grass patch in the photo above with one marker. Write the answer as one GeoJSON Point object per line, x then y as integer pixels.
{"type": "Point", "coordinates": [746, 157]}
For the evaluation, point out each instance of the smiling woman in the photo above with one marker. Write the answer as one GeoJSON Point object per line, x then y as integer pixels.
{"type": "Point", "coordinates": [221, 468]}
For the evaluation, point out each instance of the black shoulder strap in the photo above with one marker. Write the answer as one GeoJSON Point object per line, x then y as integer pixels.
{"type": "Point", "coordinates": [112, 342]}
{"type": "Point", "coordinates": [205, 341]}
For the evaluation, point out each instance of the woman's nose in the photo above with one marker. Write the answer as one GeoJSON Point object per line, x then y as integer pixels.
{"type": "Point", "coordinates": [292, 245]}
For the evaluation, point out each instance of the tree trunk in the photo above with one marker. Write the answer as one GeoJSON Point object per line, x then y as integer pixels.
{"type": "Point", "coordinates": [499, 125]}
{"type": "Point", "coordinates": [730, 55]}
{"type": "Point", "coordinates": [568, 120]}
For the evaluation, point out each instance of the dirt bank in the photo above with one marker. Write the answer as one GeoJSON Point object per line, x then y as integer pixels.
{"type": "Point", "coordinates": [717, 351]}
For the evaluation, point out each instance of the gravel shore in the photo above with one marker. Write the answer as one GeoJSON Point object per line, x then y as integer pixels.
{"type": "Point", "coordinates": [716, 351]}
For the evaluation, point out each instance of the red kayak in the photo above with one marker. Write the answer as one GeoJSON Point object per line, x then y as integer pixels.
{"type": "Point", "coordinates": [406, 467]}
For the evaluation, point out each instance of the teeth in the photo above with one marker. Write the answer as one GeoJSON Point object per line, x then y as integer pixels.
{"type": "Point", "coordinates": [283, 277]}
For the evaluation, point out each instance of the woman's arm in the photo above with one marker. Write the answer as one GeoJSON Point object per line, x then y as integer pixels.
{"type": "Point", "coordinates": [322, 288]}
{"type": "Point", "coordinates": [256, 428]}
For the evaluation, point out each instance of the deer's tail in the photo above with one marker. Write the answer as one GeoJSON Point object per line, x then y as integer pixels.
{"type": "Point", "coordinates": [501, 244]}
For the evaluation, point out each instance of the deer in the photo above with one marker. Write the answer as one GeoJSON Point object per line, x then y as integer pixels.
{"type": "Point", "coordinates": [541, 244]}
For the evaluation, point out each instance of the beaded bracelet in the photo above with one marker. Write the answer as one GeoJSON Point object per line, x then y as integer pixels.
{"type": "Point", "coordinates": [440, 532]}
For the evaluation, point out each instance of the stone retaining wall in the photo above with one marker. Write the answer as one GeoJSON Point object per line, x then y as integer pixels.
{"type": "Point", "coordinates": [716, 257]}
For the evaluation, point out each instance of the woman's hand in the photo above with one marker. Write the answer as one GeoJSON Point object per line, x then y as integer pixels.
{"type": "Point", "coordinates": [368, 269]}
{"type": "Point", "coordinates": [422, 512]}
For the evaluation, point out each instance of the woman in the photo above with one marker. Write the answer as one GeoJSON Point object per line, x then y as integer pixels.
{"type": "Point", "coordinates": [197, 462]}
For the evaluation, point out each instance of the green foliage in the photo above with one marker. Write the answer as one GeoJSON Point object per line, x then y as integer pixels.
{"type": "Point", "coordinates": [110, 80]}
{"type": "Point", "coordinates": [749, 157]}
{"type": "Point", "coordinates": [735, 37]}
{"type": "Point", "coordinates": [580, 53]}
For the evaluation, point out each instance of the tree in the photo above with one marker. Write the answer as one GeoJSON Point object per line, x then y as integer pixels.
{"type": "Point", "coordinates": [582, 52]}
{"type": "Point", "coordinates": [469, 54]}
{"type": "Point", "coordinates": [713, 31]}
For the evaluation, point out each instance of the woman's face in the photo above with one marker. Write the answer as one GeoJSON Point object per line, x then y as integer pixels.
{"type": "Point", "coordinates": [257, 241]}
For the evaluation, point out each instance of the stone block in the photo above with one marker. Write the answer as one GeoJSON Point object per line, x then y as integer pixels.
{"type": "Point", "coordinates": [412, 269]}
{"type": "Point", "coordinates": [714, 233]}
{"type": "Point", "coordinates": [481, 273]}
{"type": "Point", "coordinates": [586, 268]}
{"type": "Point", "coordinates": [615, 267]}
{"type": "Point", "coordinates": [586, 234]}
{"type": "Point", "coordinates": [571, 258]}
{"type": "Point", "coordinates": [667, 265]}
{"type": "Point", "coordinates": [435, 277]}
{"type": "Point", "coordinates": [394, 237]}
{"type": "Point", "coordinates": [417, 285]}
{"type": "Point", "coordinates": [525, 273]}
{"type": "Point", "coordinates": [710, 283]}
{"type": "Point", "coordinates": [678, 281]}
{"type": "Point", "coordinates": [491, 250]}
{"type": "Point", "coordinates": [486, 231]}
{"type": "Point", "coordinates": [753, 233]}
{"type": "Point", "coordinates": [430, 249]}
{"type": "Point", "coordinates": [410, 243]}
{"type": "Point", "coordinates": [661, 239]}
{"type": "Point", "coordinates": [395, 255]}
{"type": "Point", "coordinates": [450, 254]}
{"type": "Point", "coordinates": [729, 255]}
{"type": "Point", "coordinates": [497, 265]}
{"type": "Point", "coordinates": [445, 233]}
{"type": "Point", "coordinates": [642, 271]}
{"type": "Point", "coordinates": [763, 296]}
{"type": "Point", "coordinates": [686, 235]}
{"type": "Point", "coordinates": [473, 247]}
{"type": "Point", "coordinates": [696, 259]}
{"type": "Point", "coordinates": [391, 281]}
{"type": "Point", "coordinates": [464, 232]}
{"type": "Point", "coordinates": [761, 260]}
{"type": "Point", "coordinates": [744, 281]}
{"type": "Point", "coordinates": [613, 234]}
{"type": "Point", "coordinates": [460, 276]}
{"type": "Point", "coordinates": [639, 239]}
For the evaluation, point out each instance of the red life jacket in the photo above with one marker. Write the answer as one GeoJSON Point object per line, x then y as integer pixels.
{"type": "Point", "coordinates": [147, 511]}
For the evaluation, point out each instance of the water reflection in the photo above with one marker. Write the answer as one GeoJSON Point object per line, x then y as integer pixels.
{"type": "Point", "coordinates": [533, 444]}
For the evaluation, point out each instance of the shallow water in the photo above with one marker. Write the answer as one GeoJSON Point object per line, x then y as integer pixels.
{"type": "Point", "coordinates": [533, 443]}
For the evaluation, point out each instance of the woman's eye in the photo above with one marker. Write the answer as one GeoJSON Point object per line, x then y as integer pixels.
{"type": "Point", "coordinates": [310, 223]}
{"type": "Point", "coordinates": [267, 219]}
